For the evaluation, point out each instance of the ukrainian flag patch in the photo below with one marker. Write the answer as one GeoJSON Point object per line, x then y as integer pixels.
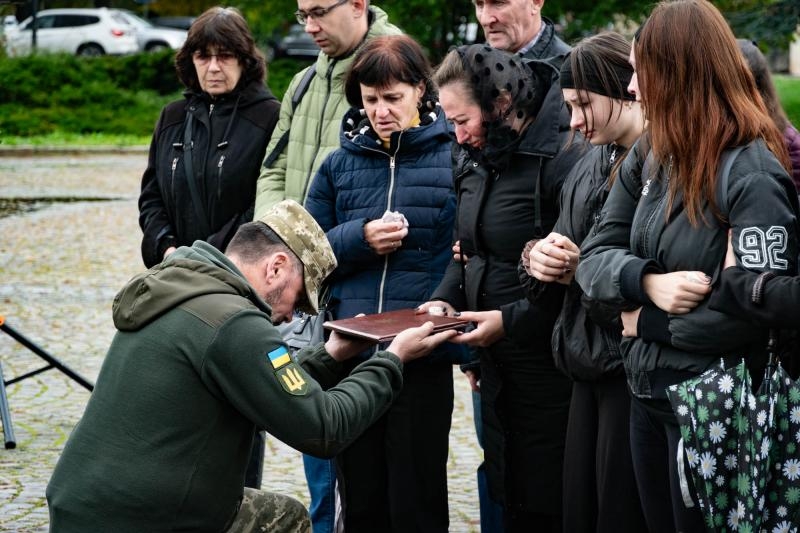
{"type": "Point", "coordinates": [279, 357]}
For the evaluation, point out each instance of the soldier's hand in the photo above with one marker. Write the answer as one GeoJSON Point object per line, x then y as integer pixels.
{"type": "Point", "coordinates": [416, 342]}
{"type": "Point", "coordinates": [342, 347]}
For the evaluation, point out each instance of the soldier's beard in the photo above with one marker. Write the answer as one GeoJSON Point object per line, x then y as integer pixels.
{"type": "Point", "coordinates": [273, 298]}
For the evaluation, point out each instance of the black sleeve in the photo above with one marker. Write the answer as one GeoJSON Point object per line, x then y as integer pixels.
{"type": "Point", "coordinates": [157, 232]}
{"type": "Point", "coordinates": [780, 304]}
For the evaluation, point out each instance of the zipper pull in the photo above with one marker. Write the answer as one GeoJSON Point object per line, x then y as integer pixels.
{"type": "Point", "coordinates": [391, 162]}
{"type": "Point", "coordinates": [221, 160]}
{"type": "Point", "coordinates": [174, 164]}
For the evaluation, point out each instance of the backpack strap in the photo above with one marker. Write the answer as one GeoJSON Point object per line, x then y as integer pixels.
{"type": "Point", "coordinates": [301, 89]}
{"type": "Point", "coordinates": [725, 164]}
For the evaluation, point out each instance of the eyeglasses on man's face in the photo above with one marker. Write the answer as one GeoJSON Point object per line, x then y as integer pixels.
{"type": "Point", "coordinates": [201, 57]}
{"type": "Point", "coordinates": [316, 13]}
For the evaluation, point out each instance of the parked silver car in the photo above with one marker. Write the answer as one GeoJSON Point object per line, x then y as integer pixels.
{"type": "Point", "coordinates": [87, 32]}
{"type": "Point", "coordinates": [152, 38]}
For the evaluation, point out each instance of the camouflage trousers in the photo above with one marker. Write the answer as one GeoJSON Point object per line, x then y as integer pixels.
{"type": "Point", "coordinates": [270, 512]}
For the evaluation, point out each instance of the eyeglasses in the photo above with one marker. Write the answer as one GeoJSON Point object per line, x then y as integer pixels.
{"type": "Point", "coordinates": [316, 13]}
{"type": "Point", "coordinates": [223, 58]}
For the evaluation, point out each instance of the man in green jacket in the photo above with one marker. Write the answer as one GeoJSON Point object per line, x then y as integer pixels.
{"type": "Point", "coordinates": [339, 28]}
{"type": "Point", "coordinates": [196, 366]}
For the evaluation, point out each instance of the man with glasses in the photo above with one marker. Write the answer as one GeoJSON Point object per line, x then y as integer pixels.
{"type": "Point", "coordinates": [338, 27]}
{"type": "Point", "coordinates": [310, 131]}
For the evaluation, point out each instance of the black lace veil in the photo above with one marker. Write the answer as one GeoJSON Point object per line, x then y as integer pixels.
{"type": "Point", "coordinates": [509, 91]}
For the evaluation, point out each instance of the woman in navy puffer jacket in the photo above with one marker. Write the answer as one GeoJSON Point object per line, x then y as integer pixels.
{"type": "Point", "coordinates": [396, 158]}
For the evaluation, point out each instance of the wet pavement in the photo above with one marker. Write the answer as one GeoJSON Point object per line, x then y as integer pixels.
{"type": "Point", "coordinates": [70, 242]}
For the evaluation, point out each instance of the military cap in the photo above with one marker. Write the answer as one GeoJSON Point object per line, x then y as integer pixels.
{"type": "Point", "coordinates": [301, 233]}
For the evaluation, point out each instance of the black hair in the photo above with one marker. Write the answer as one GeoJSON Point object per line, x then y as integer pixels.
{"type": "Point", "coordinates": [226, 29]}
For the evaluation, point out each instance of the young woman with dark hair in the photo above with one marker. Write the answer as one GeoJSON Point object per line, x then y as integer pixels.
{"type": "Point", "coordinates": [598, 473]}
{"type": "Point", "coordinates": [662, 234]}
{"type": "Point", "coordinates": [760, 69]}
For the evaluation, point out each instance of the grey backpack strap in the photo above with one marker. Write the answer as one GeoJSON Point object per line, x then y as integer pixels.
{"type": "Point", "coordinates": [725, 163]}
{"type": "Point", "coordinates": [301, 89]}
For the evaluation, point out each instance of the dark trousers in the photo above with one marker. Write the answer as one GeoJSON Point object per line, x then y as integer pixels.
{"type": "Point", "coordinates": [524, 408]}
{"type": "Point", "coordinates": [599, 486]}
{"type": "Point", "coordinates": [654, 448]}
{"type": "Point", "coordinates": [491, 511]}
{"type": "Point", "coordinates": [394, 477]}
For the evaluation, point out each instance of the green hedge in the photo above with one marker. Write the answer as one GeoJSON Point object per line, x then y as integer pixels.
{"type": "Point", "coordinates": [280, 73]}
{"type": "Point", "coordinates": [48, 93]}
{"type": "Point", "coordinates": [45, 94]}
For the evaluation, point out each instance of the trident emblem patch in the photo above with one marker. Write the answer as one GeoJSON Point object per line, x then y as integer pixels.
{"type": "Point", "coordinates": [287, 372]}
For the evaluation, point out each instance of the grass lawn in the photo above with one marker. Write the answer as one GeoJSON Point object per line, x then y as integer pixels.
{"type": "Point", "coordinates": [76, 139]}
{"type": "Point", "coordinates": [789, 93]}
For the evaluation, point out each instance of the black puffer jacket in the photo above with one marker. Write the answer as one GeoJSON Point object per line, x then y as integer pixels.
{"type": "Point", "coordinates": [635, 236]}
{"type": "Point", "coordinates": [230, 135]}
{"type": "Point", "coordinates": [524, 399]}
{"type": "Point", "coordinates": [586, 335]}
{"type": "Point", "coordinates": [496, 216]}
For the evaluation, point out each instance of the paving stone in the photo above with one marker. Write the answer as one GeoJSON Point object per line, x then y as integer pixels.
{"type": "Point", "coordinates": [60, 267]}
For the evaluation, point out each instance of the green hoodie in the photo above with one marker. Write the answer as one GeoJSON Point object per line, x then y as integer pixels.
{"type": "Point", "coordinates": [195, 367]}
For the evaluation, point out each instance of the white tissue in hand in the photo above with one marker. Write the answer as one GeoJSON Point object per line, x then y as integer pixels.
{"type": "Point", "coordinates": [394, 216]}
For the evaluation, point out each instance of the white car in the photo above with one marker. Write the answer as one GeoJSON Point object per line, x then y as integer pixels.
{"type": "Point", "coordinates": [86, 32]}
{"type": "Point", "coordinates": [153, 38]}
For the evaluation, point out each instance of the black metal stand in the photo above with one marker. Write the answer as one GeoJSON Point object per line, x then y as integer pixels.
{"type": "Point", "coordinates": [5, 414]}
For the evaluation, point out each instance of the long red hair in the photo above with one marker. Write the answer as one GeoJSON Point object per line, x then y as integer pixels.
{"type": "Point", "coordinates": [700, 98]}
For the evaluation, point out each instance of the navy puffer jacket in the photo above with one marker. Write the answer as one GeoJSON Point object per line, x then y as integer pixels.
{"type": "Point", "coordinates": [357, 183]}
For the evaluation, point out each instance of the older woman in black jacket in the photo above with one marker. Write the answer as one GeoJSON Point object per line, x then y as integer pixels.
{"type": "Point", "coordinates": [207, 149]}
{"type": "Point", "coordinates": [508, 172]}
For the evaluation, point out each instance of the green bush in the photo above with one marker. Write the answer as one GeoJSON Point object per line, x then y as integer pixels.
{"type": "Point", "coordinates": [57, 93]}
{"type": "Point", "coordinates": [47, 93]}
{"type": "Point", "coordinates": [144, 72]}
{"type": "Point", "coordinates": [280, 73]}
{"type": "Point", "coordinates": [63, 94]}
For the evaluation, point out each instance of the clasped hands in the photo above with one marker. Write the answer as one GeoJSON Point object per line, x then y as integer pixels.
{"type": "Point", "coordinates": [552, 259]}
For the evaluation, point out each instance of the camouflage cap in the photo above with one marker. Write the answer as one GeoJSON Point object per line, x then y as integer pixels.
{"type": "Point", "coordinates": [305, 238]}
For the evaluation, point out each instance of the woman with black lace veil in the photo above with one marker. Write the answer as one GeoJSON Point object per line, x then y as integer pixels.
{"type": "Point", "coordinates": [508, 169]}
